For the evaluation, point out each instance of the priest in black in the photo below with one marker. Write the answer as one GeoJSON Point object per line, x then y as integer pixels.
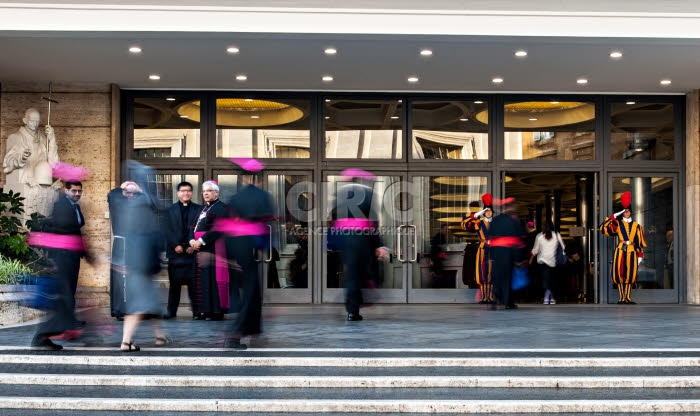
{"type": "Point", "coordinates": [211, 296]}
{"type": "Point", "coordinates": [179, 218]}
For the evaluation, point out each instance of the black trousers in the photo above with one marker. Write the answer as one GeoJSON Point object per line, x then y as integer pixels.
{"type": "Point", "coordinates": [62, 317]}
{"type": "Point", "coordinates": [248, 321]}
{"type": "Point", "coordinates": [180, 275]}
{"type": "Point", "coordinates": [502, 273]}
{"type": "Point", "coordinates": [357, 251]}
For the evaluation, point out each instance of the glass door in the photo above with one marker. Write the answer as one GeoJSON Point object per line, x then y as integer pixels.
{"type": "Point", "coordinates": [654, 208]}
{"type": "Point", "coordinates": [385, 282]}
{"type": "Point", "coordinates": [440, 255]}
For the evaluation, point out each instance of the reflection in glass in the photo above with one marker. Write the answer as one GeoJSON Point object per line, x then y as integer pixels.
{"type": "Point", "coordinates": [642, 131]}
{"type": "Point", "coordinates": [438, 201]}
{"type": "Point", "coordinates": [292, 197]}
{"type": "Point", "coordinates": [652, 208]}
{"type": "Point", "coordinates": [449, 130]}
{"type": "Point", "coordinates": [363, 129]}
{"type": "Point", "coordinates": [549, 130]}
{"type": "Point", "coordinates": [277, 129]}
{"type": "Point", "coordinates": [384, 275]}
{"type": "Point", "coordinates": [161, 131]}
{"type": "Point", "coordinates": [164, 188]}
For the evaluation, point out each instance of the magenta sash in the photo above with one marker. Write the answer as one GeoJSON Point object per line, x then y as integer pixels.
{"type": "Point", "coordinates": [238, 227]}
{"type": "Point", "coordinates": [220, 270]}
{"type": "Point", "coordinates": [353, 224]}
{"type": "Point", "coordinates": [60, 241]}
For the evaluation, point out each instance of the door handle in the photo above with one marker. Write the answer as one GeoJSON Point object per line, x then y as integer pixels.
{"type": "Point", "coordinates": [415, 244]}
{"type": "Point", "coordinates": [399, 252]}
{"type": "Point", "coordinates": [269, 252]}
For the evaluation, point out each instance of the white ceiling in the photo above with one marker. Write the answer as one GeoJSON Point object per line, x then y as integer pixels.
{"type": "Point", "coordinates": [281, 45]}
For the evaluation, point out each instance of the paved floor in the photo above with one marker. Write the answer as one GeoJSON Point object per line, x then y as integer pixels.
{"type": "Point", "coordinates": [421, 326]}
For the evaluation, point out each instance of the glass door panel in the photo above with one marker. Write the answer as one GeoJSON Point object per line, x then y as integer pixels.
{"type": "Point", "coordinates": [288, 270]}
{"type": "Point", "coordinates": [653, 207]}
{"type": "Point", "coordinates": [436, 248]}
{"type": "Point", "coordinates": [385, 280]}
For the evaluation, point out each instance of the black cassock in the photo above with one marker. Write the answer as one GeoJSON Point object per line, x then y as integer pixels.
{"type": "Point", "coordinates": [181, 267]}
{"type": "Point", "coordinates": [209, 293]}
{"type": "Point", "coordinates": [251, 205]}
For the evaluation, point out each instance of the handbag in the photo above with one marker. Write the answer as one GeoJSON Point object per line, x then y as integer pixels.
{"type": "Point", "coordinates": [520, 278]}
{"type": "Point", "coordinates": [561, 254]}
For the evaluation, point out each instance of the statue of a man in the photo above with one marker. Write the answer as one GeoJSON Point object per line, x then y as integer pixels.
{"type": "Point", "coordinates": [28, 161]}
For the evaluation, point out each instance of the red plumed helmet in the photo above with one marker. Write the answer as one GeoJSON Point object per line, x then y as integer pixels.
{"type": "Point", "coordinates": [626, 199]}
{"type": "Point", "coordinates": [487, 199]}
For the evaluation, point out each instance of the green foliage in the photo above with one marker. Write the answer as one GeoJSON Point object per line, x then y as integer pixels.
{"type": "Point", "coordinates": [12, 271]}
{"type": "Point", "coordinates": [13, 242]}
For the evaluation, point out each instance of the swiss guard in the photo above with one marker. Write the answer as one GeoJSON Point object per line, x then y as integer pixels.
{"type": "Point", "coordinates": [629, 251]}
{"type": "Point", "coordinates": [479, 222]}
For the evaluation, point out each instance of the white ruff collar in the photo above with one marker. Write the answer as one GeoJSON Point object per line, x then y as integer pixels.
{"type": "Point", "coordinates": [488, 219]}
{"type": "Point", "coordinates": [627, 220]}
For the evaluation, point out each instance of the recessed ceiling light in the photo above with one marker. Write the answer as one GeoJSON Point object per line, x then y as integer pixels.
{"type": "Point", "coordinates": [241, 77]}
{"type": "Point", "coordinates": [399, 101]}
{"type": "Point", "coordinates": [394, 117]}
{"type": "Point", "coordinates": [330, 51]}
{"type": "Point", "coordinates": [328, 100]}
{"type": "Point", "coordinates": [412, 79]}
{"type": "Point", "coordinates": [232, 49]}
{"type": "Point", "coordinates": [478, 102]}
{"type": "Point", "coordinates": [426, 52]}
{"type": "Point", "coordinates": [630, 103]}
{"type": "Point", "coordinates": [135, 49]}
{"type": "Point", "coordinates": [170, 99]}
{"type": "Point", "coordinates": [184, 116]}
{"type": "Point", "coordinates": [616, 54]}
{"type": "Point", "coordinates": [327, 117]}
{"type": "Point", "coordinates": [327, 78]}
{"type": "Point", "coordinates": [254, 116]}
{"type": "Point", "coordinates": [248, 99]}
{"type": "Point", "coordinates": [554, 102]}
{"type": "Point", "coordinates": [463, 119]}
{"type": "Point", "coordinates": [665, 82]}
{"type": "Point", "coordinates": [532, 119]}
{"type": "Point", "coordinates": [582, 81]}
{"type": "Point", "coordinates": [154, 77]}
{"type": "Point", "coordinates": [521, 53]}
{"type": "Point", "coordinates": [497, 80]}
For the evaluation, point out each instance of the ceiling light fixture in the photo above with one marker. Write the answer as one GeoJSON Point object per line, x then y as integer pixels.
{"type": "Point", "coordinates": [327, 78]}
{"type": "Point", "coordinates": [154, 77]}
{"type": "Point", "coordinates": [254, 116]}
{"type": "Point", "coordinates": [232, 50]}
{"type": "Point", "coordinates": [412, 79]}
{"type": "Point", "coordinates": [582, 81]}
{"type": "Point", "coordinates": [330, 51]}
{"type": "Point", "coordinates": [426, 52]}
{"type": "Point", "coordinates": [394, 117]}
{"type": "Point", "coordinates": [665, 82]}
{"type": "Point", "coordinates": [630, 103]}
{"type": "Point", "coordinates": [554, 102]}
{"type": "Point", "coordinates": [241, 77]}
{"type": "Point", "coordinates": [248, 100]}
{"type": "Point", "coordinates": [135, 49]}
{"type": "Point", "coordinates": [463, 119]}
{"type": "Point", "coordinates": [328, 100]}
{"type": "Point", "coordinates": [327, 117]}
{"type": "Point", "coordinates": [616, 54]}
{"type": "Point", "coordinates": [183, 116]}
{"type": "Point", "coordinates": [521, 53]}
{"type": "Point", "coordinates": [170, 99]}
{"type": "Point", "coordinates": [478, 102]}
{"type": "Point", "coordinates": [532, 119]}
{"type": "Point", "coordinates": [497, 80]}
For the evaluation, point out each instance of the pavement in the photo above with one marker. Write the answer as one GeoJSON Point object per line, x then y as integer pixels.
{"type": "Point", "coordinates": [615, 328]}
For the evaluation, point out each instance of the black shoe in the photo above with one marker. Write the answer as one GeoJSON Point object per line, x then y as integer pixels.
{"type": "Point", "coordinates": [234, 343]}
{"type": "Point", "coordinates": [354, 317]}
{"type": "Point", "coordinates": [44, 343]}
{"type": "Point", "coordinates": [197, 317]}
{"type": "Point", "coordinates": [631, 302]}
{"type": "Point", "coordinates": [621, 302]}
{"type": "Point", "coordinates": [511, 306]}
{"type": "Point", "coordinates": [119, 317]}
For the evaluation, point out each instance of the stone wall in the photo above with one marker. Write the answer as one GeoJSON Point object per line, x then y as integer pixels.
{"type": "Point", "coordinates": [692, 192]}
{"type": "Point", "coordinates": [85, 121]}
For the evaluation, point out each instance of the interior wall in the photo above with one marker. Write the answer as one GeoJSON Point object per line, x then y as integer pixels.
{"type": "Point", "coordinates": [83, 121]}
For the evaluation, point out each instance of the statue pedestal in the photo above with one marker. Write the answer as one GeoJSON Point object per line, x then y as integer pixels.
{"type": "Point", "coordinates": [38, 198]}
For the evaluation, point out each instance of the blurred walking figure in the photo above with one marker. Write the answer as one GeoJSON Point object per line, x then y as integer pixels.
{"type": "Point", "coordinates": [143, 241]}
{"type": "Point", "coordinates": [179, 218]}
{"type": "Point", "coordinates": [63, 241]}
{"type": "Point", "coordinates": [629, 251]}
{"type": "Point", "coordinates": [211, 296]}
{"type": "Point", "coordinates": [116, 199]}
{"type": "Point", "coordinates": [479, 223]}
{"type": "Point", "coordinates": [247, 232]}
{"type": "Point", "coordinates": [545, 250]}
{"type": "Point", "coordinates": [355, 226]}
{"type": "Point", "coordinates": [505, 244]}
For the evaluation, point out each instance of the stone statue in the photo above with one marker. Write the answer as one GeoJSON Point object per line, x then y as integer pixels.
{"type": "Point", "coordinates": [28, 161]}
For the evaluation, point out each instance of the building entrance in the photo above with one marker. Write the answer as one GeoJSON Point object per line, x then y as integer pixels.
{"type": "Point", "coordinates": [568, 201]}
